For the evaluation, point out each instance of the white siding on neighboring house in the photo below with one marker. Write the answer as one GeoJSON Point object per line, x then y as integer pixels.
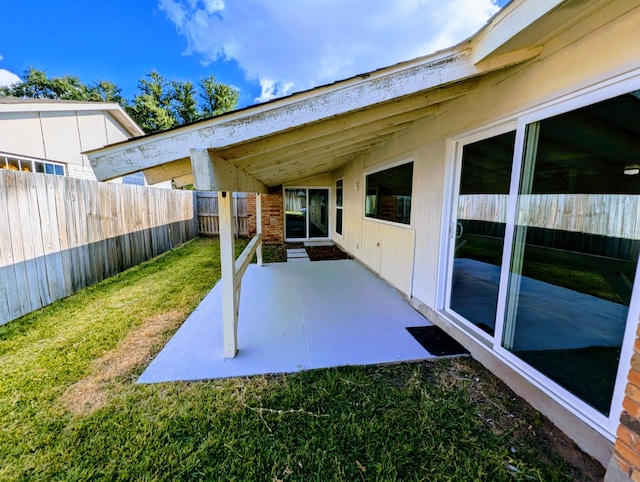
{"type": "Point", "coordinates": [61, 137]}
{"type": "Point", "coordinates": [21, 133]}
{"type": "Point", "coordinates": [92, 130]}
{"type": "Point", "coordinates": [114, 131]}
{"type": "Point", "coordinates": [61, 132]}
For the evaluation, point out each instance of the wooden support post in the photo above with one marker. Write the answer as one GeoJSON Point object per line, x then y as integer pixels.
{"type": "Point", "coordinates": [259, 225]}
{"type": "Point", "coordinates": [227, 260]}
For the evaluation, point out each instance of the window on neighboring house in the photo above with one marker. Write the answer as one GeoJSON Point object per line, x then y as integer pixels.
{"type": "Point", "coordinates": [339, 191]}
{"type": "Point", "coordinates": [30, 165]}
{"type": "Point", "coordinates": [388, 194]}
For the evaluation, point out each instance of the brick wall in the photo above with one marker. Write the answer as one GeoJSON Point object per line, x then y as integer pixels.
{"type": "Point", "coordinates": [251, 214]}
{"type": "Point", "coordinates": [625, 463]}
{"type": "Point", "coordinates": [272, 217]}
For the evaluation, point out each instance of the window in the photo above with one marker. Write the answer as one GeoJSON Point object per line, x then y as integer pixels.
{"type": "Point", "coordinates": [543, 266]}
{"type": "Point", "coordinates": [13, 163]}
{"type": "Point", "coordinates": [339, 192]}
{"type": "Point", "coordinates": [388, 194]}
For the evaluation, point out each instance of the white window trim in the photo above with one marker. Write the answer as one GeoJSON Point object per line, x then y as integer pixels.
{"type": "Point", "coordinates": [385, 167]}
{"type": "Point", "coordinates": [4, 160]}
{"type": "Point", "coordinates": [335, 197]}
{"type": "Point", "coordinates": [613, 87]}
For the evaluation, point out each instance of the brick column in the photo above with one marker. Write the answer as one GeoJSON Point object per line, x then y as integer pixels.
{"type": "Point", "coordinates": [625, 463]}
{"type": "Point", "coordinates": [272, 217]}
{"type": "Point", "coordinates": [251, 214]}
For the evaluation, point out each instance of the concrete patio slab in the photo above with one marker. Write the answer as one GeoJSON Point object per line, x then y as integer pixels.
{"type": "Point", "coordinates": [308, 244]}
{"type": "Point", "coordinates": [297, 254]}
{"type": "Point", "coordinates": [295, 316]}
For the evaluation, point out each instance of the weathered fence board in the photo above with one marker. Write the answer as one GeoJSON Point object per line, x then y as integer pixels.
{"type": "Point", "coordinates": [59, 235]}
{"type": "Point", "coordinates": [207, 208]}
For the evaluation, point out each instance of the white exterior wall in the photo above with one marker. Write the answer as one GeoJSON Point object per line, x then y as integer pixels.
{"type": "Point", "coordinates": [599, 49]}
{"type": "Point", "coordinates": [583, 55]}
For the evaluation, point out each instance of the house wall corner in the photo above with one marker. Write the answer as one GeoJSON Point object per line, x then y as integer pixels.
{"type": "Point", "coordinates": [272, 217]}
{"type": "Point", "coordinates": [625, 463]}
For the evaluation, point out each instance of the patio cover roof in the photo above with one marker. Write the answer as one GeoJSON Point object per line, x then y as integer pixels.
{"type": "Point", "coordinates": [319, 130]}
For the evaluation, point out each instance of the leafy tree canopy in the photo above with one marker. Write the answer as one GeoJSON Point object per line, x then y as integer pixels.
{"type": "Point", "coordinates": [159, 105]}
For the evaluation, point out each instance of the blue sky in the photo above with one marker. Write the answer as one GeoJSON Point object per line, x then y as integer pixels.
{"type": "Point", "coordinates": [266, 48]}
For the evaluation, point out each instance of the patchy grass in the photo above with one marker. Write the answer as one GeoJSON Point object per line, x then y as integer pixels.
{"type": "Point", "coordinates": [274, 253]}
{"type": "Point", "coordinates": [70, 410]}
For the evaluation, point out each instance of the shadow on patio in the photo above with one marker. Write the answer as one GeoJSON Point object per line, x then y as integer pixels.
{"type": "Point", "coordinates": [295, 316]}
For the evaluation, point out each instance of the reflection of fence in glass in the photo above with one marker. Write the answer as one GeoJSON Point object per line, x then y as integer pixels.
{"type": "Point", "coordinates": [614, 215]}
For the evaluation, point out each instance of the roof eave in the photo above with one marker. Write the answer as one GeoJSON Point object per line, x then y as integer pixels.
{"type": "Point", "coordinates": [476, 56]}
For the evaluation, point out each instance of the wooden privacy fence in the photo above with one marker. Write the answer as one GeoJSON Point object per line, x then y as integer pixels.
{"type": "Point", "coordinates": [207, 209]}
{"type": "Point", "coordinates": [59, 235]}
{"type": "Point", "coordinates": [614, 215]}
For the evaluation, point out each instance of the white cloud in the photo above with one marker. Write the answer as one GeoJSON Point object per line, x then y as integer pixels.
{"type": "Point", "coordinates": [8, 78]}
{"type": "Point", "coordinates": [290, 46]}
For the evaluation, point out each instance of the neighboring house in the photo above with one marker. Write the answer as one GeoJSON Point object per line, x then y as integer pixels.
{"type": "Point", "coordinates": [496, 184]}
{"type": "Point", "coordinates": [50, 136]}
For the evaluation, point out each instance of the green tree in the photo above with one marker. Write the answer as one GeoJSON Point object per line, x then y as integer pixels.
{"type": "Point", "coordinates": [217, 97]}
{"type": "Point", "coordinates": [151, 108]}
{"type": "Point", "coordinates": [105, 91]}
{"type": "Point", "coordinates": [159, 105]}
{"type": "Point", "coordinates": [184, 104]}
{"type": "Point", "coordinates": [36, 85]}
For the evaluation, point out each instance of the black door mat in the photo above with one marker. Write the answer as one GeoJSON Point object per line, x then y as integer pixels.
{"type": "Point", "coordinates": [436, 341]}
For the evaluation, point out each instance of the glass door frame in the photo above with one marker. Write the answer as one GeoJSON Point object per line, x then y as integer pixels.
{"type": "Point", "coordinates": [307, 217]}
{"type": "Point", "coordinates": [606, 425]}
{"type": "Point", "coordinates": [455, 149]}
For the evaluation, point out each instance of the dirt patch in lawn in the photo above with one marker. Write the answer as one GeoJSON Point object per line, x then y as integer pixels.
{"type": "Point", "coordinates": [274, 253]}
{"type": "Point", "coordinates": [506, 413]}
{"type": "Point", "coordinates": [136, 349]}
{"type": "Point", "coordinates": [322, 253]}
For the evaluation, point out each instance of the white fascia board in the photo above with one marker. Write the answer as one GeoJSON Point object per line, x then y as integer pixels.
{"type": "Point", "coordinates": [119, 114]}
{"type": "Point", "coordinates": [381, 86]}
{"type": "Point", "coordinates": [116, 111]}
{"type": "Point", "coordinates": [509, 22]}
{"type": "Point", "coordinates": [58, 106]}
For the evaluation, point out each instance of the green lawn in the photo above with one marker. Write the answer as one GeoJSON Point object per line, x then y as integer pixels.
{"type": "Point", "coordinates": [70, 410]}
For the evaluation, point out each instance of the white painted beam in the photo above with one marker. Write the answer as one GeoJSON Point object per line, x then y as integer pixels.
{"type": "Point", "coordinates": [421, 104]}
{"type": "Point", "coordinates": [244, 260]}
{"type": "Point", "coordinates": [230, 297]}
{"type": "Point", "coordinates": [420, 75]}
{"type": "Point", "coordinates": [342, 134]}
{"type": "Point", "coordinates": [259, 226]}
{"type": "Point", "coordinates": [508, 23]}
{"type": "Point", "coordinates": [212, 173]}
{"type": "Point", "coordinates": [510, 58]}
{"type": "Point", "coordinates": [183, 180]}
{"type": "Point", "coordinates": [171, 170]}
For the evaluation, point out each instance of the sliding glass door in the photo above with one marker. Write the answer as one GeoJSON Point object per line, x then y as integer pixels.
{"type": "Point", "coordinates": [547, 266]}
{"type": "Point", "coordinates": [306, 213]}
{"type": "Point", "coordinates": [480, 220]}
